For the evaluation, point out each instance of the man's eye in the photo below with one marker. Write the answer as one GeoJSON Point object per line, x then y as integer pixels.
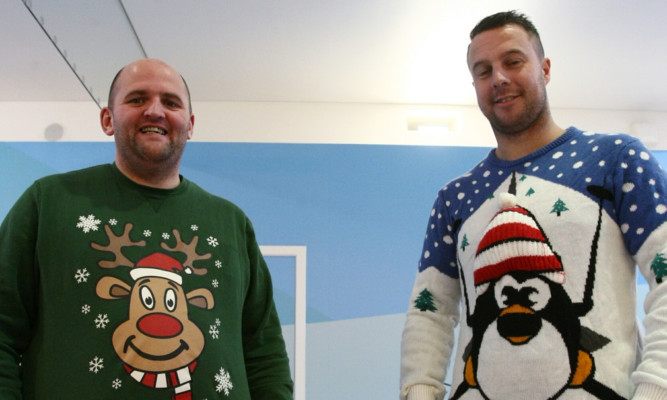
{"type": "Point", "coordinates": [135, 100]}
{"type": "Point", "coordinates": [514, 63]}
{"type": "Point", "coordinates": [482, 73]}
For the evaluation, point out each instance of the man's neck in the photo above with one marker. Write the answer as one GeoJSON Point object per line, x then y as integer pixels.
{"type": "Point", "coordinates": [157, 179]}
{"type": "Point", "coordinates": [514, 146]}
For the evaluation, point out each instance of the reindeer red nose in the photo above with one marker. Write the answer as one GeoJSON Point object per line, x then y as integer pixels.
{"type": "Point", "coordinates": [159, 325]}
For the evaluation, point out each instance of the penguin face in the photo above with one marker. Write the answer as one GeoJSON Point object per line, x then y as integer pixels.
{"type": "Point", "coordinates": [520, 299]}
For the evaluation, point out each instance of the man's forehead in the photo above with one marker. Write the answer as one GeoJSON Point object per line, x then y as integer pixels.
{"type": "Point", "coordinates": [502, 40]}
{"type": "Point", "coordinates": [161, 79]}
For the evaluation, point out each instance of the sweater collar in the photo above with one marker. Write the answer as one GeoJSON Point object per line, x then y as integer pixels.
{"type": "Point", "coordinates": [568, 135]}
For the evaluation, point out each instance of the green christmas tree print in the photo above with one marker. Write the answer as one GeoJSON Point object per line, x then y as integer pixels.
{"type": "Point", "coordinates": [530, 192]}
{"type": "Point", "coordinates": [424, 302]}
{"type": "Point", "coordinates": [659, 267]}
{"type": "Point", "coordinates": [559, 207]}
{"type": "Point", "coordinates": [465, 242]}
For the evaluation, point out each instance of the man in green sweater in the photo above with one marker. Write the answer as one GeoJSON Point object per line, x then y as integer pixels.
{"type": "Point", "coordinates": [128, 281]}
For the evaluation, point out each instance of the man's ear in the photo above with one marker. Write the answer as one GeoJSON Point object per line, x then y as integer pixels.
{"type": "Point", "coordinates": [546, 70]}
{"type": "Point", "coordinates": [106, 120]}
{"type": "Point", "coordinates": [192, 126]}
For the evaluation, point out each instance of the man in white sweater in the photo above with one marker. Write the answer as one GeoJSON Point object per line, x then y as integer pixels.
{"type": "Point", "coordinates": [533, 254]}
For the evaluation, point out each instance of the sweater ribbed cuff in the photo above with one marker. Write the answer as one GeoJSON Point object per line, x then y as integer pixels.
{"type": "Point", "coordinates": [424, 392]}
{"type": "Point", "coordinates": [646, 391]}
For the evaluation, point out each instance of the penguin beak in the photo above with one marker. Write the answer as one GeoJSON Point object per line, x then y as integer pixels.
{"type": "Point", "coordinates": [518, 324]}
{"type": "Point", "coordinates": [516, 309]}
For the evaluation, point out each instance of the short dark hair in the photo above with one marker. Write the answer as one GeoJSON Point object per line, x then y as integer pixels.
{"type": "Point", "coordinates": [510, 17]}
{"type": "Point", "coordinates": [112, 90]}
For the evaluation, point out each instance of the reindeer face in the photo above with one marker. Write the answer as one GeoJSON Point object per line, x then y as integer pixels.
{"type": "Point", "coordinates": [158, 335]}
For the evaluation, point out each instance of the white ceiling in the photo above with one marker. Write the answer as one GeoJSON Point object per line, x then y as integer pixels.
{"type": "Point", "coordinates": [605, 54]}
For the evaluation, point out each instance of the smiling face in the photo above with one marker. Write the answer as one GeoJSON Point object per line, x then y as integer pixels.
{"type": "Point", "coordinates": [510, 78]}
{"type": "Point", "coordinates": [158, 335]}
{"type": "Point", "coordinates": [150, 120]}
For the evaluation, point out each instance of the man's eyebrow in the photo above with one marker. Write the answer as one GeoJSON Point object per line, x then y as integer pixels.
{"type": "Point", "coordinates": [505, 54]}
{"type": "Point", "coordinates": [477, 64]}
{"type": "Point", "coordinates": [513, 52]}
{"type": "Point", "coordinates": [173, 96]}
{"type": "Point", "coordinates": [134, 93]}
{"type": "Point", "coordinates": [141, 92]}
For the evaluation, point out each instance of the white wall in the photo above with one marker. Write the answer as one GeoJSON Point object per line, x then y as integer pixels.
{"type": "Point", "coordinates": [368, 342]}
{"type": "Point", "coordinates": [317, 123]}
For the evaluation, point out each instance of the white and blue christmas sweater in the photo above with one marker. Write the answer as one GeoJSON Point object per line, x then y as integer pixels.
{"type": "Point", "coordinates": [598, 205]}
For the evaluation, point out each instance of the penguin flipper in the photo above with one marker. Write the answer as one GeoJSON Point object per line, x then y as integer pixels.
{"type": "Point", "coordinates": [468, 381]}
{"type": "Point", "coordinates": [584, 369]}
{"type": "Point", "coordinates": [601, 391]}
{"type": "Point", "coordinates": [469, 373]}
{"type": "Point", "coordinates": [463, 387]}
{"type": "Point", "coordinates": [590, 340]}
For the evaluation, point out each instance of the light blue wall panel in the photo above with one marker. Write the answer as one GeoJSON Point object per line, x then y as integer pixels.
{"type": "Point", "coordinates": [360, 210]}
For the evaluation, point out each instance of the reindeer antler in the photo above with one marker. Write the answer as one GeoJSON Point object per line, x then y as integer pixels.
{"type": "Point", "coordinates": [190, 250]}
{"type": "Point", "coordinates": [116, 243]}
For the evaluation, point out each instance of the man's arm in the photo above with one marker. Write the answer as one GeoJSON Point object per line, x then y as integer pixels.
{"type": "Point", "coordinates": [267, 364]}
{"type": "Point", "coordinates": [433, 313]}
{"type": "Point", "coordinates": [641, 186]}
{"type": "Point", "coordinates": [428, 336]}
{"type": "Point", "coordinates": [18, 280]}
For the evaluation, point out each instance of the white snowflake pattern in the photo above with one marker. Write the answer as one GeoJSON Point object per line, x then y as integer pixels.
{"type": "Point", "coordinates": [101, 321]}
{"type": "Point", "coordinates": [147, 233]}
{"type": "Point", "coordinates": [85, 309]}
{"type": "Point", "coordinates": [218, 322]}
{"type": "Point", "coordinates": [165, 236]}
{"type": "Point", "coordinates": [224, 382]}
{"type": "Point", "coordinates": [628, 187]}
{"type": "Point", "coordinates": [116, 384]}
{"type": "Point", "coordinates": [194, 227]}
{"type": "Point", "coordinates": [214, 282]}
{"type": "Point", "coordinates": [218, 263]}
{"type": "Point", "coordinates": [213, 331]}
{"type": "Point", "coordinates": [88, 223]}
{"type": "Point", "coordinates": [212, 241]}
{"type": "Point", "coordinates": [96, 364]}
{"type": "Point", "coordinates": [113, 222]}
{"type": "Point", "coordinates": [81, 275]}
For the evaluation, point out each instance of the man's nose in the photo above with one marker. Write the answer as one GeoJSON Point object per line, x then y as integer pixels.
{"type": "Point", "coordinates": [155, 109]}
{"type": "Point", "coordinates": [500, 77]}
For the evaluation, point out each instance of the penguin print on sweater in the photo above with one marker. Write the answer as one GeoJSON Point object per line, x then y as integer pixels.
{"type": "Point", "coordinates": [522, 312]}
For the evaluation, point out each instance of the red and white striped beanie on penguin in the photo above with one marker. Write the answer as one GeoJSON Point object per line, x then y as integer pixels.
{"type": "Point", "coordinates": [513, 241]}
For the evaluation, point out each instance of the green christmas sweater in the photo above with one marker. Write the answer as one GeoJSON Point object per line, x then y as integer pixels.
{"type": "Point", "coordinates": [112, 290]}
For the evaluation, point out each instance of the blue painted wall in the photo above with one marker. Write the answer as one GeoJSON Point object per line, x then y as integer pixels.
{"type": "Point", "coordinates": [361, 211]}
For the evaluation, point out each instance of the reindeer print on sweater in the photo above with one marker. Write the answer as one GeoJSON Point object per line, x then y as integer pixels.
{"type": "Point", "coordinates": [157, 343]}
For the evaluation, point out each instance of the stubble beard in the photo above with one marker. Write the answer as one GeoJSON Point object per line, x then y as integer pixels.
{"type": "Point", "coordinates": [529, 117]}
{"type": "Point", "coordinates": [151, 153]}
{"type": "Point", "coordinates": [151, 157]}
